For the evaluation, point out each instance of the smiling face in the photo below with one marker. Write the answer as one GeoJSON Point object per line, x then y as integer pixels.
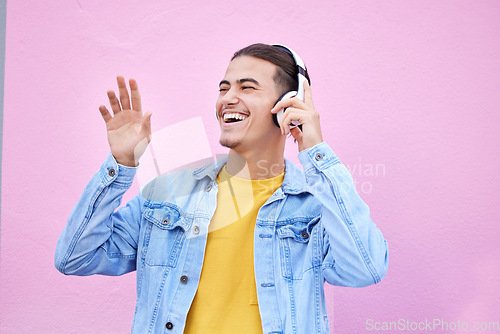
{"type": "Point", "coordinates": [247, 94]}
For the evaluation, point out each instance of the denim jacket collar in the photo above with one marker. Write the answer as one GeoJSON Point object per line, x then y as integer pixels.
{"type": "Point", "coordinates": [293, 183]}
{"type": "Point", "coordinates": [210, 170]}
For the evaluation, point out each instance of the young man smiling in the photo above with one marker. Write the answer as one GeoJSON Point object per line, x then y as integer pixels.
{"type": "Point", "coordinates": [240, 246]}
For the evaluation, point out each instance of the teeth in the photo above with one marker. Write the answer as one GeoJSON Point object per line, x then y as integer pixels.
{"type": "Point", "coordinates": [234, 116]}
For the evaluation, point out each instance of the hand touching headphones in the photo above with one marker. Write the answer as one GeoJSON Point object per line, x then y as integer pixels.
{"type": "Point", "coordinates": [301, 77]}
{"type": "Point", "coordinates": [294, 113]}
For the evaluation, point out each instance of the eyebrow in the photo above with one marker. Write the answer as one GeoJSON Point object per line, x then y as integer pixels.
{"type": "Point", "coordinates": [240, 81]}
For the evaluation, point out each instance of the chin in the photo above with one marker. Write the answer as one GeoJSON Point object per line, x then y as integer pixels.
{"type": "Point", "coordinates": [231, 144]}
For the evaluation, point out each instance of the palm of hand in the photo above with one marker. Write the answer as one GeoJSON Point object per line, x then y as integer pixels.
{"type": "Point", "coordinates": [129, 131]}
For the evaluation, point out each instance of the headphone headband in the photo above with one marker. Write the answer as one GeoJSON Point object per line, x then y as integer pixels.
{"type": "Point", "coordinates": [301, 68]}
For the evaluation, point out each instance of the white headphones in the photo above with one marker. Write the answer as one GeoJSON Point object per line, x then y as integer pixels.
{"type": "Point", "coordinates": [301, 77]}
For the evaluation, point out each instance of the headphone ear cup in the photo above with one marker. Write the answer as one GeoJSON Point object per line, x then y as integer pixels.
{"type": "Point", "coordinates": [277, 116]}
{"type": "Point", "coordinates": [275, 120]}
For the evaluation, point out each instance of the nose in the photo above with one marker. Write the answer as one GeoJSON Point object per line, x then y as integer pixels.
{"type": "Point", "coordinates": [230, 97]}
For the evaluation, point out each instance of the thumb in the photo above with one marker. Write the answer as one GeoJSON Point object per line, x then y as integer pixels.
{"type": "Point", "coordinates": [146, 125]}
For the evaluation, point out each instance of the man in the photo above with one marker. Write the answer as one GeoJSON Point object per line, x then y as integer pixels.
{"type": "Point", "coordinates": [240, 246]}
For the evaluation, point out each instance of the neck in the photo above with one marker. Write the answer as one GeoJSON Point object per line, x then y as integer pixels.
{"type": "Point", "coordinates": [256, 165]}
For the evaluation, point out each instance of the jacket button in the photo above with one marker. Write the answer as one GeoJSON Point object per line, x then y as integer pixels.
{"type": "Point", "coordinates": [169, 325]}
{"type": "Point", "coordinates": [304, 234]}
{"type": "Point", "coordinates": [111, 172]}
{"type": "Point", "coordinates": [318, 156]}
{"type": "Point", "coordinates": [165, 221]}
{"type": "Point", "coordinates": [184, 279]}
{"type": "Point", "coordinates": [196, 229]}
{"type": "Point", "coordinates": [208, 187]}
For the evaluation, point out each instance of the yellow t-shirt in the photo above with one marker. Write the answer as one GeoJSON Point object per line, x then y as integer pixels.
{"type": "Point", "coordinates": [226, 299]}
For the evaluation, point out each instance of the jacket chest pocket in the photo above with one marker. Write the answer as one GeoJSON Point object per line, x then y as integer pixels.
{"type": "Point", "coordinates": [295, 253]}
{"type": "Point", "coordinates": [165, 236]}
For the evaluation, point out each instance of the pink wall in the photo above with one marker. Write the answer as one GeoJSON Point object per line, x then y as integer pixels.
{"type": "Point", "coordinates": [409, 86]}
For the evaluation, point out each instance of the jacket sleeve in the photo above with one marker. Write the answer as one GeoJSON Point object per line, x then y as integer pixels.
{"type": "Point", "coordinates": [98, 239]}
{"type": "Point", "coordinates": [355, 252]}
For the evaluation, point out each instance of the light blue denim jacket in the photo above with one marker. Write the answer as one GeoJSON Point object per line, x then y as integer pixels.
{"type": "Point", "coordinates": [314, 228]}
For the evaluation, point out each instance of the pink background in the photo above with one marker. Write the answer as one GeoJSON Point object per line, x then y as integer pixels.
{"type": "Point", "coordinates": [409, 86]}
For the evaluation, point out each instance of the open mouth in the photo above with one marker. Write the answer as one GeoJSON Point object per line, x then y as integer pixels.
{"type": "Point", "coordinates": [234, 117]}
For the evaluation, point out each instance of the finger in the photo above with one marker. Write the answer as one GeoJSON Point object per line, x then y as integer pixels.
{"type": "Point", "coordinates": [295, 102]}
{"type": "Point", "coordinates": [296, 134]}
{"type": "Point", "coordinates": [135, 96]}
{"type": "Point", "coordinates": [307, 94]}
{"type": "Point", "coordinates": [105, 114]}
{"type": "Point", "coordinates": [280, 105]}
{"type": "Point", "coordinates": [113, 101]}
{"type": "Point", "coordinates": [291, 114]}
{"type": "Point", "coordinates": [284, 122]}
{"type": "Point", "coordinates": [122, 88]}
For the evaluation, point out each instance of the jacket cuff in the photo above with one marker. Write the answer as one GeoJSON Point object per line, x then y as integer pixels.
{"type": "Point", "coordinates": [113, 172]}
{"type": "Point", "coordinates": [319, 157]}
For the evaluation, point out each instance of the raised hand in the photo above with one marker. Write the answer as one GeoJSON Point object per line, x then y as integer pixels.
{"type": "Point", "coordinates": [305, 114]}
{"type": "Point", "coordinates": [129, 131]}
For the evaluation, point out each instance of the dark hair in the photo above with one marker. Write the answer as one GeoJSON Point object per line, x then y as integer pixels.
{"type": "Point", "coordinates": [286, 74]}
